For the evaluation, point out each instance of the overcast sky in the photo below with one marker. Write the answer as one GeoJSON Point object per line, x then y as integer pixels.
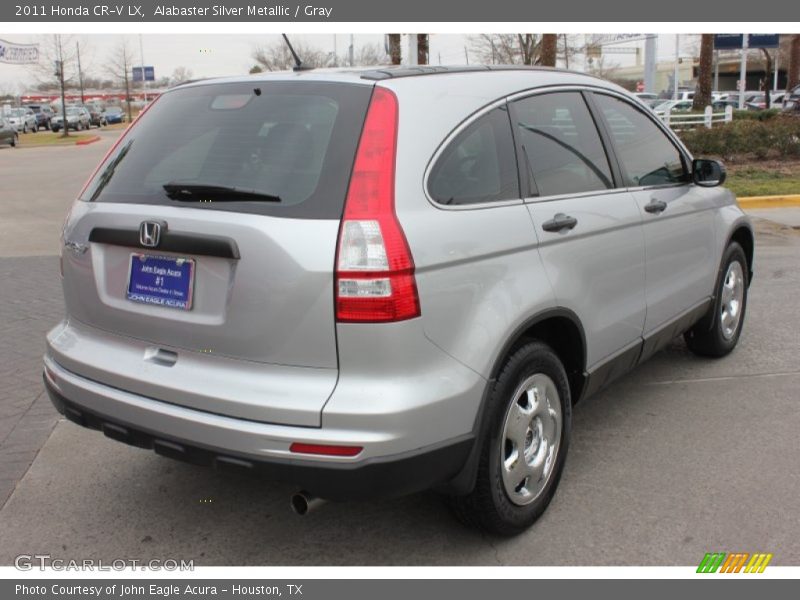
{"type": "Point", "coordinates": [218, 55]}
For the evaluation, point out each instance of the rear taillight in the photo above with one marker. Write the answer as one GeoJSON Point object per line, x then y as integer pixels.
{"type": "Point", "coordinates": [374, 268]}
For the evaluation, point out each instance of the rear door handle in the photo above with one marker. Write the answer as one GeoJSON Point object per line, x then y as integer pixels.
{"type": "Point", "coordinates": [560, 222]}
{"type": "Point", "coordinates": [655, 206]}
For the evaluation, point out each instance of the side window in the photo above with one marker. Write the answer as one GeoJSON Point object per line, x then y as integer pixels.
{"type": "Point", "coordinates": [646, 155]}
{"type": "Point", "coordinates": [479, 165]}
{"type": "Point", "coordinates": [560, 144]}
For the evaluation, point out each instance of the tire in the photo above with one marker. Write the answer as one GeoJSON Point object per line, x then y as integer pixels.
{"type": "Point", "coordinates": [499, 503]}
{"type": "Point", "coordinates": [730, 305]}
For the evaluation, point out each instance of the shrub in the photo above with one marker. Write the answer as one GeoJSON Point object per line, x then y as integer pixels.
{"type": "Point", "coordinates": [756, 115]}
{"type": "Point", "coordinates": [772, 137]}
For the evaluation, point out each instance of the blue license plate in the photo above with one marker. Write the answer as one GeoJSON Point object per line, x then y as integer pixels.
{"type": "Point", "coordinates": [161, 280]}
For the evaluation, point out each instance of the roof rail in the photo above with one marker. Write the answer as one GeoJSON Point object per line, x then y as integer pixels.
{"type": "Point", "coordinates": [399, 71]}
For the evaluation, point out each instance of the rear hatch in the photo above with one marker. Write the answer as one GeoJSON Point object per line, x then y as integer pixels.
{"type": "Point", "coordinates": [211, 229]}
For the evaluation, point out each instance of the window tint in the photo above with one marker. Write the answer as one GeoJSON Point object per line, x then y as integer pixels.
{"type": "Point", "coordinates": [479, 165]}
{"type": "Point", "coordinates": [561, 145]}
{"type": "Point", "coordinates": [293, 140]}
{"type": "Point", "coordinates": [647, 156]}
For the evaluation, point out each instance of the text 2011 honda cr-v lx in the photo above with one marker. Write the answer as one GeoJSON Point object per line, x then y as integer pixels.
{"type": "Point", "coordinates": [374, 283]}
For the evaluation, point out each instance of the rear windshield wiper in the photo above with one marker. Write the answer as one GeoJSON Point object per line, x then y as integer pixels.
{"type": "Point", "coordinates": [201, 192]}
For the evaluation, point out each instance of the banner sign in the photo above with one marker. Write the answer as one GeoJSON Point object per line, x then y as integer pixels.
{"type": "Point", "coordinates": [18, 54]}
{"type": "Point", "coordinates": [766, 40]}
{"type": "Point", "coordinates": [735, 41]}
{"type": "Point", "coordinates": [149, 74]}
{"type": "Point", "coordinates": [617, 38]}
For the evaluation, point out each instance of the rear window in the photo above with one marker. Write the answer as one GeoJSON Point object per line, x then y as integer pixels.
{"type": "Point", "coordinates": [291, 142]}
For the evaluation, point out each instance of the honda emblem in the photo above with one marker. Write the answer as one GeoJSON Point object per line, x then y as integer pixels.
{"type": "Point", "coordinates": [149, 234]}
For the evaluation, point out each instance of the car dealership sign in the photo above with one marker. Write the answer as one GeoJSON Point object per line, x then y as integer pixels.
{"type": "Point", "coordinates": [18, 54]}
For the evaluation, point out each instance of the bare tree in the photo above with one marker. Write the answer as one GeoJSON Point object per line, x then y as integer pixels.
{"type": "Point", "coordinates": [180, 75]}
{"type": "Point", "coordinates": [394, 48]}
{"type": "Point", "coordinates": [277, 57]}
{"type": "Point", "coordinates": [549, 49]}
{"type": "Point", "coordinates": [505, 48]}
{"type": "Point", "coordinates": [369, 55]}
{"type": "Point", "coordinates": [600, 68]}
{"type": "Point", "coordinates": [118, 66]}
{"type": "Point", "coordinates": [702, 94]}
{"type": "Point", "coordinates": [57, 67]}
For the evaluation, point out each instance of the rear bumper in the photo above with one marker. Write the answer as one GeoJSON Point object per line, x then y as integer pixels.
{"type": "Point", "coordinates": [227, 443]}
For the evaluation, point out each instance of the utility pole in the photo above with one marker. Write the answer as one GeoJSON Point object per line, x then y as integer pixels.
{"type": "Point", "coordinates": [351, 50]}
{"type": "Point", "coordinates": [80, 72]}
{"type": "Point", "coordinates": [743, 70]}
{"type": "Point", "coordinates": [566, 52]}
{"type": "Point", "coordinates": [466, 55]}
{"type": "Point", "coordinates": [60, 75]}
{"type": "Point", "coordinates": [677, 58]}
{"type": "Point", "coordinates": [777, 68]}
{"type": "Point", "coordinates": [650, 64]}
{"type": "Point", "coordinates": [412, 49]}
{"type": "Point", "coordinates": [716, 69]}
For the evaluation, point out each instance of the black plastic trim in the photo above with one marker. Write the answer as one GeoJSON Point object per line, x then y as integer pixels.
{"type": "Point", "coordinates": [179, 243]}
{"type": "Point", "coordinates": [383, 477]}
{"type": "Point", "coordinates": [612, 368]}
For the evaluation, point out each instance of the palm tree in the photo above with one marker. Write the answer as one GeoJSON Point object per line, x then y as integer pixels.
{"type": "Point", "coordinates": [394, 48]}
{"type": "Point", "coordinates": [702, 94]}
{"type": "Point", "coordinates": [422, 49]}
{"type": "Point", "coordinates": [547, 56]}
{"type": "Point", "coordinates": [793, 72]}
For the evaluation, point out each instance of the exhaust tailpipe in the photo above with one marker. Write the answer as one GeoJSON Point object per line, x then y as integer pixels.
{"type": "Point", "coordinates": [302, 502]}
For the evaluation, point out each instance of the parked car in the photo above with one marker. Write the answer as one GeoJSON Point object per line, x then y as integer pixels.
{"type": "Point", "coordinates": [759, 102]}
{"type": "Point", "coordinates": [646, 96]}
{"type": "Point", "coordinates": [23, 119]}
{"type": "Point", "coordinates": [78, 118]}
{"type": "Point", "coordinates": [374, 283]}
{"type": "Point", "coordinates": [44, 114]}
{"type": "Point", "coordinates": [114, 114]}
{"type": "Point", "coordinates": [8, 132]}
{"type": "Point", "coordinates": [674, 106]}
{"type": "Point", "coordinates": [791, 101]}
{"type": "Point", "coordinates": [97, 115]}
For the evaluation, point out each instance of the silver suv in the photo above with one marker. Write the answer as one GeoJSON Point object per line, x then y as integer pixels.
{"type": "Point", "coordinates": [374, 283]}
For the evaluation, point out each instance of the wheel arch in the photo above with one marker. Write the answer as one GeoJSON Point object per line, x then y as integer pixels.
{"type": "Point", "coordinates": [743, 235]}
{"type": "Point", "coordinates": [561, 329]}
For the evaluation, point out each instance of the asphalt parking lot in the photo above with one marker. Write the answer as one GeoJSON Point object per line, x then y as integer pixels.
{"type": "Point", "coordinates": [681, 457]}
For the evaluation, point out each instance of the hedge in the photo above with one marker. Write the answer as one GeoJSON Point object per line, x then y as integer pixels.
{"type": "Point", "coordinates": [777, 137]}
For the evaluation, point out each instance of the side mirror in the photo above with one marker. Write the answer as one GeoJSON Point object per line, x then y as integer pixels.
{"type": "Point", "coordinates": [707, 172]}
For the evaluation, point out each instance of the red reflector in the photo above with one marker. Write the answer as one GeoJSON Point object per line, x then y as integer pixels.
{"type": "Point", "coordinates": [299, 448]}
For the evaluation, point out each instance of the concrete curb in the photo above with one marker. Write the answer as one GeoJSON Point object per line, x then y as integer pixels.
{"type": "Point", "coordinates": [770, 201]}
{"type": "Point", "coordinates": [96, 138]}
